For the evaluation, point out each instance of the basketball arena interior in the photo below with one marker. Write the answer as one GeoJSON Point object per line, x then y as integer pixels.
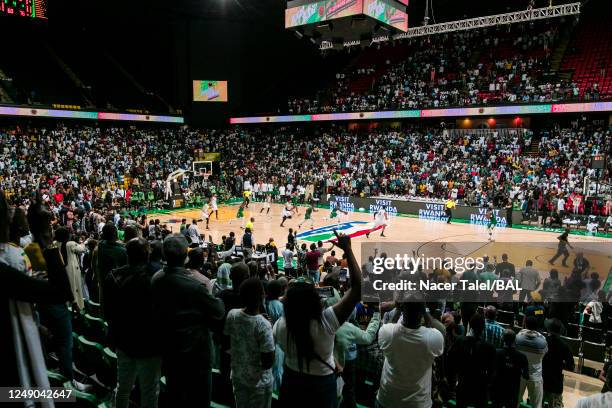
{"type": "Point", "coordinates": [306, 203]}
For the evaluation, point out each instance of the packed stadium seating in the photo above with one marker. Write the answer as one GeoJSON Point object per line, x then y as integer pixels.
{"type": "Point", "coordinates": [514, 64]}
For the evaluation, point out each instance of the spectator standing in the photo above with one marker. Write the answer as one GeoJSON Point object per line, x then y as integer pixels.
{"type": "Point", "coordinates": [529, 280]}
{"type": "Point", "coordinates": [472, 361]}
{"type": "Point", "coordinates": [288, 260]}
{"type": "Point", "coordinates": [348, 337]}
{"type": "Point", "coordinates": [109, 254]}
{"type": "Point", "coordinates": [505, 268]}
{"type": "Point", "coordinates": [306, 335]}
{"type": "Point", "coordinates": [558, 358]}
{"type": "Point", "coordinates": [534, 346]}
{"type": "Point", "coordinates": [493, 332]}
{"type": "Point", "coordinates": [409, 349]}
{"type": "Point", "coordinates": [185, 312]}
{"type": "Point", "coordinates": [71, 252]}
{"type": "Point", "coordinates": [511, 366]}
{"type": "Point", "coordinates": [252, 348]}
{"type": "Point", "coordinates": [133, 327]}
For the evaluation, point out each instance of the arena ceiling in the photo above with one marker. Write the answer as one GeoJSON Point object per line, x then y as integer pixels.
{"type": "Point", "coordinates": [265, 11]}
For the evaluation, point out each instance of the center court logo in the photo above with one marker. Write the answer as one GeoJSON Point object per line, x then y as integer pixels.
{"type": "Point", "coordinates": [350, 228]}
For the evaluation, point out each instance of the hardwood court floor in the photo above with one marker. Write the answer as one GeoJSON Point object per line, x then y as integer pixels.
{"type": "Point", "coordinates": [519, 244]}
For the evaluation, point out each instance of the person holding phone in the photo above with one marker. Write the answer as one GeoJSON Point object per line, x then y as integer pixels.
{"type": "Point", "coordinates": [306, 335]}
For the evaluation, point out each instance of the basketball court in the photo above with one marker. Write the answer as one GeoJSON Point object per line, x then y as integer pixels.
{"type": "Point", "coordinates": [430, 235]}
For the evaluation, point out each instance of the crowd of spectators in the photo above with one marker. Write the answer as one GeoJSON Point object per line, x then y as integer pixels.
{"type": "Point", "coordinates": [79, 167]}
{"type": "Point", "coordinates": [478, 67]}
{"type": "Point", "coordinates": [180, 307]}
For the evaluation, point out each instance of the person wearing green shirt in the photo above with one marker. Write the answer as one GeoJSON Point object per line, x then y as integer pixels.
{"type": "Point", "coordinates": [334, 214]}
{"type": "Point", "coordinates": [308, 216]}
{"type": "Point", "coordinates": [492, 223]}
{"type": "Point", "coordinates": [348, 337]}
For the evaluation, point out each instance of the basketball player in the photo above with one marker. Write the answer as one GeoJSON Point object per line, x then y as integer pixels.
{"type": "Point", "coordinates": [492, 223]}
{"type": "Point", "coordinates": [206, 213]}
{"type": "Point", "coordinates": [294, 202]}
{"type": "Point", "coordinates": [308, 216]}
{"type": "Point", "coordinates": [240, 213]}
{"type": "Point", "coordinates": [334, 214]}
{"type": "Point", "coordinates": [267, 204]}
{"type": "Point", "coordinates": [287, 212]}
{"type": "Point", "coordinates": [380, 219]}
{"type": "Point", "coordinates": [213, 206]}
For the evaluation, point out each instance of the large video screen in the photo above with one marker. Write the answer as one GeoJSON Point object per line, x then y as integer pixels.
{"type": "Point", "coordinates": [210, 91]}
{"type": "Point", "coordinates": [24, 8]}
{"type": "Point", "coordinates": [386, 13]}
{"type": "Point", "coordinates": [321, 11]}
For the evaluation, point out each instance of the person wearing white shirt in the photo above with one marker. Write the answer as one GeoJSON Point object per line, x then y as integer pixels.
{"type": "Point", "coordinates": [608, 223]}
{"type": "Point", "coordinates": [193, 233]}
{"type": "Point", "coordinates": [560, 205]}
{"type": "Point", "coordinates": [288, 260]}
{"type": "Point", "coordinates": [409, 351]}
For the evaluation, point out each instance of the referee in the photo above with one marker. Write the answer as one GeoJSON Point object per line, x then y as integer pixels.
{"type": "Point", "coordinates": [450, 204]}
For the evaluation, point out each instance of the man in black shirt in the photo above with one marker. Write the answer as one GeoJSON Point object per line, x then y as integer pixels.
{"type": "Point", "coordinates": [505, 268]}
{"type": "Point", "coordinates": [229, 242]}
{"type": "Point", "coordinates": [558, 358]}
{"type": "Point", "coordinates": [185, 312]}
{"type": "Point", "coordinates": [133, 326]}
{"type": "Point", "coordinates": [291, 239]}
{"type": "Point", "coordinates": [511, 365]}
{"type": "Point", "coordinates": [472, 362]}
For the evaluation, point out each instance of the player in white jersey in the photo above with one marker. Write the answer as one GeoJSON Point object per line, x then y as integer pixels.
{"type": "Point", "coordinates": [287, 212]}
{"type": "Point", "coordinates": [213, 206]}
{"type": "Point", "coordinates": [205, 213]}
{"type": "Point", "coordinates": [266, 204]}
{"type": "Point", "coordinates": [381, 218]}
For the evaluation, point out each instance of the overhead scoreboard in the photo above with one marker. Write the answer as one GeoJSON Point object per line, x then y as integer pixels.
{"type": "Point", "coordinates": [24, 8]}
{"type": "Point", "coordinates": [306, 12]}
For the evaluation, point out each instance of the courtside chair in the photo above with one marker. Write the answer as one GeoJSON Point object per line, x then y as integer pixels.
{"type": "Point", "coordinates": [592, 334]}
{"type": "Point", "coordinates": [573, 330]}
{"type": "Point", "coordinates": [506, 317]}
{"type": "Point", "coordinates": [593, 355]}
{"type": "Point", "coordinates": [574, 346]}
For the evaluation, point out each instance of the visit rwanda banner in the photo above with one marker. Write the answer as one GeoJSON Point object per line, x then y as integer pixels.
{"type": "Point", "coordinates": [321, 11]}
